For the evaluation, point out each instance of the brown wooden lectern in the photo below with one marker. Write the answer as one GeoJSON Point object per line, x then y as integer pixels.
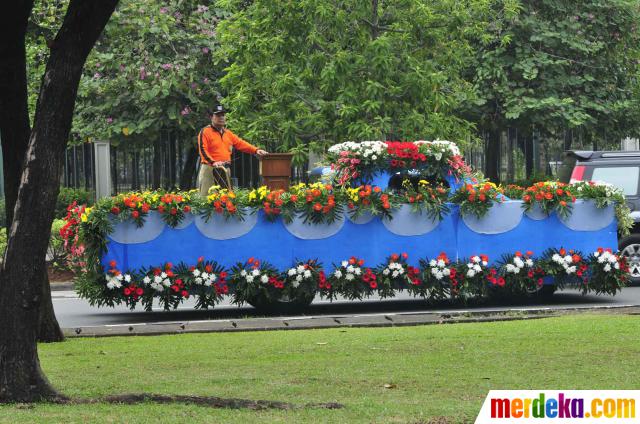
{"type": "Point", "coordinates": [275, 169]}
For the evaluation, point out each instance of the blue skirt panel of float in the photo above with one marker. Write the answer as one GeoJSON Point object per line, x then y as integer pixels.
{"type": "Point", "coordinates": [505, 229]}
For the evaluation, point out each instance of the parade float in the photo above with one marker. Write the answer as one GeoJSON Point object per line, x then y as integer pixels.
{"type": "Point", "coordinates": [397, 216]}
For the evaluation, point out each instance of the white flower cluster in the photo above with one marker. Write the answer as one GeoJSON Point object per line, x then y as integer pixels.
{"type": "Point", "coordinates": [347, 271]}
{"type": "Point", "coordinates": [115, 281]}
{"type": "Point", "coordinates": [439, 147]}
{"type": "Point", "coordinates": [439, 268]}
{"type": "Point", "coordinates": [364, 149]}
{"type": "Point", "coordinates": [254, 275]}
{"type": "Point", "coordinates": [565, 261]}
{"type": "Point", "coordinates": [517, 264]}
{"type": "Point", "coordinates": [158, 282]}
{"type": "Point", "coordinates": [475, 266]}
{"type": "Point", "coordinates": [395, 269]}
{"type": "Point", "coordinates": [608, 260]}
{"type": "Point", "coordinates": [204, 278]}
{"type": "Point", "coordinates": [298, 274]}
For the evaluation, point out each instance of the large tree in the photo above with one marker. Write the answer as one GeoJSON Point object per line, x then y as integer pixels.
{"type": "Point", "coordinates": [14, 134]}
{"type": "Point", "coordinates": [21, 378]}
{"type": "Point", "coordinates": [314, 72]}
{"type": "Point", "coordinates": [559, 65]}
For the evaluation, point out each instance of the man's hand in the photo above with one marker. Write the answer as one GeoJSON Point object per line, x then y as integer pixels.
{"type": "Point", "coordinates": [219, 163]}
{"type": "Point", "coordinates": [261, 152]}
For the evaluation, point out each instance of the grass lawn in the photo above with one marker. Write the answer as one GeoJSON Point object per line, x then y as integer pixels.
{"type": "Point", "coordinates": [440, 373]}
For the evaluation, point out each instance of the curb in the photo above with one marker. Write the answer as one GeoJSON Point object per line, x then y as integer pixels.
{"type": "Point", "coordinates": [344, 321]}
{"type": "Point", "coordinates": [63, 286]}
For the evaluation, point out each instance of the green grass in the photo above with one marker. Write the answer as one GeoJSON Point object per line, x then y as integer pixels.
{"type": "Point", "coordinates": [439, 371]}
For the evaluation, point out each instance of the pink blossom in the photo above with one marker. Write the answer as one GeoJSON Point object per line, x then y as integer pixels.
{"type": "Point", "coordinates": [122, 67]}
{"type": "Point", "coordinates": [109, 120]}
{"type": "Point", "coordinates": [97, 75]}
{"type": "Point", "coordinates": [143, 73]}
{"type": "Point", "coordinates": [164, 10]}
{"type": "Point", "coordinates": [166, 66]}
{"type": "Point", "coordinates": [205, 50]}
{"type": "Point", "coordinates": [185, 111]}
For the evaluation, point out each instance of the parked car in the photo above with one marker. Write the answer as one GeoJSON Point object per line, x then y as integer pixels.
{"type": "Point", "coordinates": [622, 169]}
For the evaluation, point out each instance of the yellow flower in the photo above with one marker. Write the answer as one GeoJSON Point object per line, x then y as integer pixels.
{"type": "Point", "coordinates": [83, 217]}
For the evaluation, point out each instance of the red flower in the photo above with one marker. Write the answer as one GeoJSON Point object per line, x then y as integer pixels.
{"type": "Point", "coordinates": [223, 274]}
{"type": "Point", "coordinates": [185, 293]}
{"type": "Point", "coordinates": [135, 214]}
{"type": "Point", "coordinates": [139, 291]}
{"type": "Point", "coordinates": [201, 259]}
{"type": "Point", "coordinates": [208, 268]}
{"type": "Point", "coordinates": [187, 209]}
{"type": "Point", "coordinates": [127, 291]}
{"type": "Point", "coordinates": [501, 281]}
{"type": "Point", "coordinates": [173, 211]}
{"type": "Point", "coordinates": [115, 210]}
{"type": "Point", "coordinates": [112, 263]}
{"type": "Point", "coordinates": [161, 209]}
{"type": "Point", "coordinates": [373, 284]}
{"type": "Point", "coordinates": [404, 255]}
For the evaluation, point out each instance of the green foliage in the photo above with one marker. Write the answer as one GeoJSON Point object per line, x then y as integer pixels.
{"type": "Point", "coordinates": [3, 213]}
{"type": "Point", "coordinates": [3, 240]}
{"type": "Point", "coordinates": [68, 195]}
{"type": "Point", "coordinates": [152, 68]}
{"type": "Point", "coordinates": [56, 254]}
{"type": "Point", "coordinates": [314, 72]}
{"type": "Point", "coordinates": [562, 64]}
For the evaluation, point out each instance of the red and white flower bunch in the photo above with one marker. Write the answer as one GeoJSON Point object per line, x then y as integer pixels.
{"type": "Point", "coordinates": [353, 160]}
{"type": "Point", "coordinates": [439, 275]}
{"type": "Point", "coordinates": [471, 277]}
{"type": "Point", "coordinates": [521, 272]}
{"type": "Point", "coordinates": [566, 266]}
{"type": "Point", "coordinates": [256, 281]}
{"type": "Point", "coordinates": [609, 272]}
{"type": "Point", "coordinates": [396, 275]}
{"type": "Point", "coordinates": [303, 280]}
{"type": "Point", "coordinates": [352, 280]}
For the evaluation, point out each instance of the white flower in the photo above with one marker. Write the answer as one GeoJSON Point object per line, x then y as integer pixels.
{"type": "Point", "coordinates": [163, 275]}
{"type": "Point", "coordinates": [299, 278]}
{"type": "Point", "coordinates": [529, 263]}
{"type": "Point", "coordinates": [120, 277]}
{"type": "Point", "coordinates": [349, 277]}
{"type": "Point", "coordinates": [196, 272]}
{"type": "Point", "coordinates": [205, 275]}
{"type": "Point", "coordinates": [510, 268]}
{"type": "Point", "coordinates": [432, 263]}
{"type": "Point", "coordinates": [616, 265]}
{"type": "Point", "coordinates": [374, 157]}
{"type": "Point", "coordinates": [300, 269]}
{"type": "Point", "coordinates": [556, 258]}
{"type": "Point", "coordinates": [568, 259]}
{"type": "Point", "coordinates": [400, 270]}
{"type": "Point", "coordinates": [345, 264]}
{"type": "Point", "coordinates": [208, 283]}
{"type": "Point", "coordinates": [477, 268]}
{"type": "Point", "coordinates": [571, 270]}
{"type": "Point", "coordinates": [438, 275]}
{"type": "Point", "coordinates": [157, 279]}
{"type": "Point", "coordinates": [601, 259]}
{"type": "Point", "coordinates": [255, 273]}
{"type": "Point", "coordinates": [441, 263]}
{"type": "Point", "coordinates": [338, 273]}
{"type": "Point", "coordinates": [198, 280]}
{"type": "Point", "coordinates": [127, 278]}
{"type": "Point", "coordinates": [146, 279]}
{"type": "Point", "coordinates": [264, 279]}
{"type": "Point", "coordinates": [295, 284]}
{"type": "Point", "coordinates": [394, 274]}
{"type": "Point", "coordinates": [471, 273]}
{"type": "Point", "coordinates": [166, 282]}
{"type": "Point", "coordinates": [607, 268]}
{"type": "Point", "coordinates": [485, 263]}
{"type": "Point", "coordinates": [307, 273]}
{"type": "Point", "coordinates": [518, 262]}
{"type": "Point", "coordinates": [357, 271]}
{"type": "Point", "coordinates": [350, 268]}
{"type": "Point", "coordinates": [470, 266]}
{"type": "Point", "coordinates": [596, 253]}
{"type": "Point", "coordinates": [446, 271]}
{"type": "Point", "coordinates": [249, 278]}
{"type": "Point", "coordinates": [291, 272]}
{"type": "Point", "coordinates": [243, 273]}
{"type": "Point", "coordinates": [386, 271]}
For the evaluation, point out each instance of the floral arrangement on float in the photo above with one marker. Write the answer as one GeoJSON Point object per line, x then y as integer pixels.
{"type": "Point", "coordinates": [354, 161]}
{"type": "Point", "coordinates": [437, 279]}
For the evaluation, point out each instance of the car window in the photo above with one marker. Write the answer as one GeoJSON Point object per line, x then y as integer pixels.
{"type": "Point", "coordinates": [624, 177]}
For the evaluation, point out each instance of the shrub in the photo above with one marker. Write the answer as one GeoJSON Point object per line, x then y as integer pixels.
{"type": "Point", "coordinates": [68, 195]}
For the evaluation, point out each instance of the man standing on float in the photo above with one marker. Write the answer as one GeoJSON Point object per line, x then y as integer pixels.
{"type": "Point", "coordinates": [215, 144]}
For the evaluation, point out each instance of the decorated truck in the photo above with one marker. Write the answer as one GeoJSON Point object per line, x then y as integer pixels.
{"type": "Point", "coordinates": [394, 216]}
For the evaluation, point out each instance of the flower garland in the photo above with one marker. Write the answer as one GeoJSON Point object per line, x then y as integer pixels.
{"type": "Point", "coordinates": [260, 284]}
{"type": "Point", "coordinates": [604, 194]}
{"type": "Point", "coordinates": [476, 199]}
{"type": "Point", "coordinates": [549, 197]}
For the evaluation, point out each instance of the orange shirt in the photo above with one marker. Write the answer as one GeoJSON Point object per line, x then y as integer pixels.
{"type": "Point", "coordinates": [214, 146]}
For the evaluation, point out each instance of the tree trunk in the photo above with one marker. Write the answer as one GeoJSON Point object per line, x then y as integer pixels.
{"type": "Point", "coordinates": [15, 129]}
{"type": "Point", "coordinates": [189, 168]}
{"type": "Point", "coordinates": [492, 156]}
{"type": "Point", "coordinates": [21, 378]}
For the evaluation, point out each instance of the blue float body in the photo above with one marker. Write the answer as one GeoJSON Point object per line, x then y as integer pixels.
{"type": "Point", "coordinates": [372, 241]}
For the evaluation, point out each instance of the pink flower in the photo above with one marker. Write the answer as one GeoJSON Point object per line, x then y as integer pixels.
{"type": "Point", "coordinates": [185, 111]}
{"type": "Point", "coordinates": [205, 50]}
{"type": "Point", "coordinates": [164, 10]}
{"type": "Point", "coordinates": [109, 120]}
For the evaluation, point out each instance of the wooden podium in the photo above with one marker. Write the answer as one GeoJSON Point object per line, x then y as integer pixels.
{"type": "Point", "coordinates": [275, 169]}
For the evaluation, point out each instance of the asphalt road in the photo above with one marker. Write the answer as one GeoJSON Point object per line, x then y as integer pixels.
{"type": "Point", "coordinates": [74, 312]}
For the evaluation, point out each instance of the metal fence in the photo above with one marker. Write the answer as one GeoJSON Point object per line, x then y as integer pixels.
{"type": "Point", "coordinates": [170, 162]}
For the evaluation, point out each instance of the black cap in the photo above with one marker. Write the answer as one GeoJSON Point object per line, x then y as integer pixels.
{"type": "Point", "coordinates": [218, 109]}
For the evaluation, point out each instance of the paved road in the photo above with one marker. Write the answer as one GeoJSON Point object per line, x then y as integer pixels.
{"type": "Point", "coordinates": [74, 312]}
